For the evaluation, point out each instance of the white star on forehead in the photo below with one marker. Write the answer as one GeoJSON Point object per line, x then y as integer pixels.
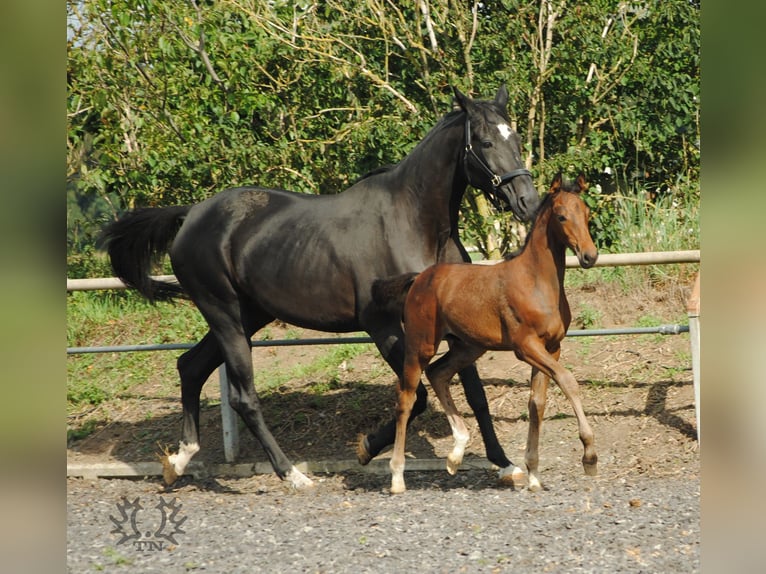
{"type": "Point", "coordinates": [504, 130]}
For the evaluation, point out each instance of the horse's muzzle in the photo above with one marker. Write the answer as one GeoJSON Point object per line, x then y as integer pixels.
{"type": "Point", "coordinates": [587, 259]}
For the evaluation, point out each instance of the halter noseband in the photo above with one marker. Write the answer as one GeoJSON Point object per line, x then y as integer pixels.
{"type": "Point", "coordinates": [497, 181]}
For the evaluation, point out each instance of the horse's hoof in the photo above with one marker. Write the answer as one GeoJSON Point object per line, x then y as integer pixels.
{"type": "Point", "coordinates": [453, 465]}
{"type": "Point", "coordinates": [169, 474]}
{"type": "Point", "coordinates": [590, 469]}
{"type": "Point", "coordinates": [363, 450]}
{"type": "Point", "coordinates": [298, 480]}
{"type": "Point", "coordinates": [512, 476]}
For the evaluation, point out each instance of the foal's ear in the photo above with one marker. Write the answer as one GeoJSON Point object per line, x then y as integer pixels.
{"type": "Point", "coordinates": [581, 183]}
{"type": "Point", "coordinates": [555, 184]}
{"type": "Point", "coordinates": [461, 101]}
{"type": "Point", "coordinates": [501, 97]}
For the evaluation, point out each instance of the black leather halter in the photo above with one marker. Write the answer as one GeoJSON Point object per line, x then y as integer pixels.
{"type": "Point", "coordinates": [497, 181]}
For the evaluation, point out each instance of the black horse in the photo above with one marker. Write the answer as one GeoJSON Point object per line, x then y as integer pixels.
{"type": "Point", "coordinates": [250, 255]}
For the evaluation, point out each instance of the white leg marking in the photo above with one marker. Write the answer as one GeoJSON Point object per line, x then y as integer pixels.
{"type": "Point", "coordinates": [298, 479]}
{"type": "Point", "coordinates": [184, 455]}
{"type": "Point", "coordinates": [512, 476]}
{"type": "Point", "coordinates": [455, 458]}
{"type": "Point", "coordinates": [397, 478]}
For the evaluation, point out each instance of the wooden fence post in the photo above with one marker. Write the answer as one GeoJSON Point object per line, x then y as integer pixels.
{"type": "Point", "coordinates": [693, 310]}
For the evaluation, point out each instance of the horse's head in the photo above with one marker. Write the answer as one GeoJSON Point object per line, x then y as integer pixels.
{"type": "Point", "coordinates": [569, 216]}
{"type": "Point", "coordinates": [492, 160]}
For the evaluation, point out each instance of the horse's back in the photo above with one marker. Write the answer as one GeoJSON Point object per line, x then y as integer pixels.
{"type": "Point", "coordinates": [309, 260]}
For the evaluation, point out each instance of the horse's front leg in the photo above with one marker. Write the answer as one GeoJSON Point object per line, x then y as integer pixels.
{"type": "Point", "coordinates": [509, 474]}
{"type": "Point", "coordinates": [568, 384]}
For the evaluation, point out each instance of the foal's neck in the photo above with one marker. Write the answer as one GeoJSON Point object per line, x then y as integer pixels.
{"type": "Point", "coordinates": [544, 250]}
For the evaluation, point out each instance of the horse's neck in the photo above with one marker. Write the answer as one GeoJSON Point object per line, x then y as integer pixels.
{"type": "Point", "coordinates": [432, 171]}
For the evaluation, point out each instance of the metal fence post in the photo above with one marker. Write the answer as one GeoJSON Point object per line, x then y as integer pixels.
{"type": "Point", "coordinates": [229, 421]}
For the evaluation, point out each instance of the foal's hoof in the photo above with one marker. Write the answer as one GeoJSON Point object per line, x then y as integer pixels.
{"type": "Point", "coordinates": [512, 476]}
{"type": "Point", "coordinates": [363, 450]}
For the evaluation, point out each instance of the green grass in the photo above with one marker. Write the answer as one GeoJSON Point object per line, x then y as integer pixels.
{"type": "Point", "coordinates": [325, 369]}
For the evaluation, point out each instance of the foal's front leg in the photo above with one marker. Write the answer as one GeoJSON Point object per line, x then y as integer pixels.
{"type": "Point", "coordinates": [535, 354]}
{"type": "Point", "coordinates": [537, 397]}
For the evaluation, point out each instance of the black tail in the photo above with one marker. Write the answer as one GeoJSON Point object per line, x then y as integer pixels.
{"type": "Point", "coordinates": [137, 241]}
{"type": "Point", "coordinates": [389, 294]}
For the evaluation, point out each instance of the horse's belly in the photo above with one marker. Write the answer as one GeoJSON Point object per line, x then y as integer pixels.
{"type": "Point", "coordinates": [323, 301]}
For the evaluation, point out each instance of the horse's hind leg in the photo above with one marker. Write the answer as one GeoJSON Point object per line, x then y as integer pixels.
{"type": "Point", "coordinates": [194, 368]}
{"type": "Point", "coordinates": [228, 324]}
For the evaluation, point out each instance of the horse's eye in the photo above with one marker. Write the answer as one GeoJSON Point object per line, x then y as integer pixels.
{"type": "Point", "coordinates": [486, 144]}
{"type": "Point", "coordinates": [561, 218]}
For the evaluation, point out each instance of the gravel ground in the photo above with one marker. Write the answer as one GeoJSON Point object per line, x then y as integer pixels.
{"type": "Point", "coordinates": [349, 523]}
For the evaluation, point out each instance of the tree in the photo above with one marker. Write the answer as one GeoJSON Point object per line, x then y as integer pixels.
{"type": "Point", "coordinates": [171, 102]}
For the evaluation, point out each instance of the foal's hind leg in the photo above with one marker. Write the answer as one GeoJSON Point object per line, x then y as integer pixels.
{"type": "Point", "coordinates": [390, 344]}
{"type": "Point", "coordinates": [440, 375]}
{"type": "Point", "coordinates": [509, 474]}
{"type": "Point", "coordinates": [408, 384]}
{"type": "Point", "coordinates": [194, 368]}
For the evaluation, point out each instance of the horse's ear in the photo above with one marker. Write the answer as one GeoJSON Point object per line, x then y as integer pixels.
{"type": "Point", "coordinates": [581, 183]}
{"type": "Point", "coordinates": [555, 184]}
{"type": "Point", "coordinates": [501, 97]}
{"type": "Point", "coordinates": [461, 100]}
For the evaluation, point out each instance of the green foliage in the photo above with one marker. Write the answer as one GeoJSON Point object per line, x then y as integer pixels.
{"type": "Point", "coordinates": [169, 104]}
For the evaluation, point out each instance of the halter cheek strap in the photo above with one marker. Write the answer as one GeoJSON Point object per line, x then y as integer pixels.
{"type": "Point", "coordinates": [497, 181]}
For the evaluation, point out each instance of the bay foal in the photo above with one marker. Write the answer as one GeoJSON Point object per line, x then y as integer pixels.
{"type": "Point", "coordinates": [518, 304]}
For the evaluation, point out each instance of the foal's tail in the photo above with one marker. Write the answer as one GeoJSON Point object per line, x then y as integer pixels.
{"type": "Point", "coordinates": [389, 294]}
{"type": "Point", "coordinates": [137, 241]}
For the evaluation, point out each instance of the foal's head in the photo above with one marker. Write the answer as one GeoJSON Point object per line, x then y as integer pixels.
{"type": "Point", "coordinates": [569, 219]}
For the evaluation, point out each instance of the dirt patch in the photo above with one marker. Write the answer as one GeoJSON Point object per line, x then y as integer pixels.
{"type": "Point", "coordinates": [637, 393]}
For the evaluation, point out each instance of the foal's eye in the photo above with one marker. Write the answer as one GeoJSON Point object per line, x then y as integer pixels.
{"type": "Point", "coordinates": [486, 144]}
